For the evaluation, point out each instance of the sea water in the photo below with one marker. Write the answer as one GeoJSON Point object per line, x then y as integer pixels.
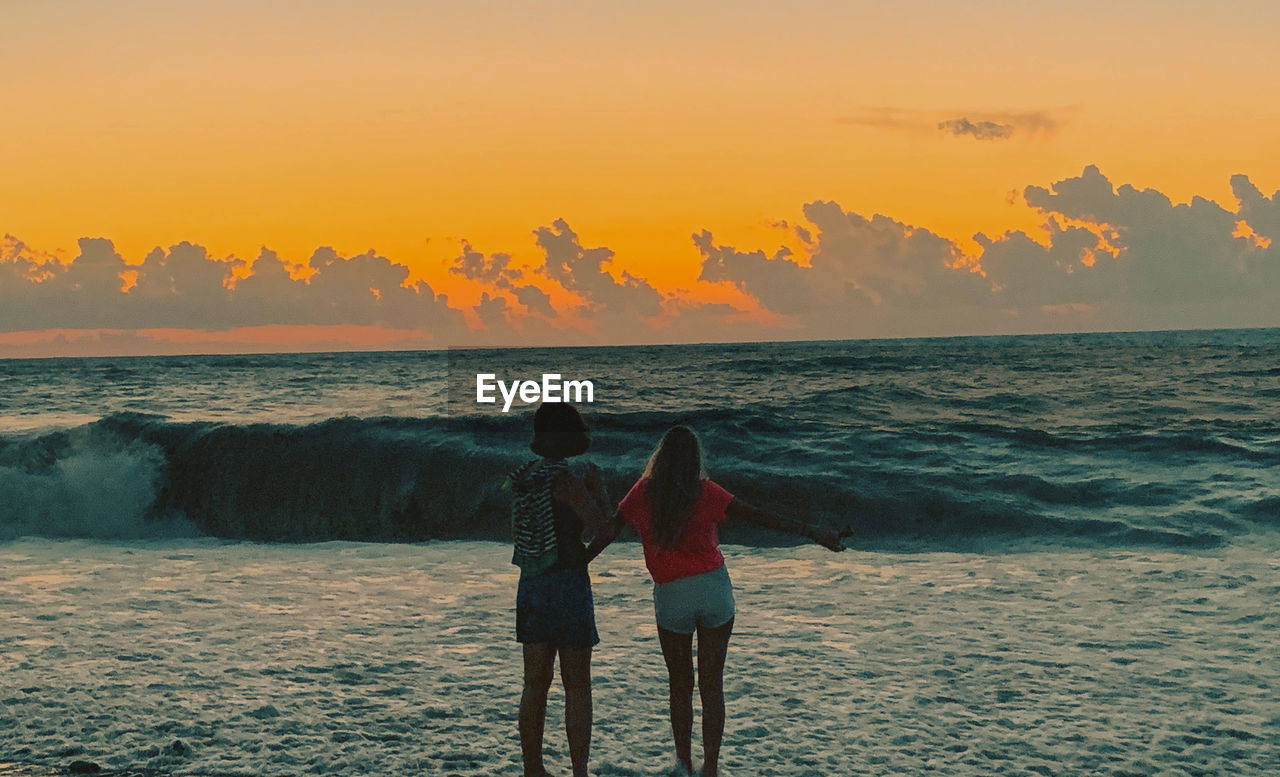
{"type": "Point", "coordinates": [1164, 439]}
{"type": "Point", "coordinates": [1065, 558]}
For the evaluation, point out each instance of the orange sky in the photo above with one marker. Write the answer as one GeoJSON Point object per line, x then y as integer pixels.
{"type": "Point", "coordinates": [405, 126]}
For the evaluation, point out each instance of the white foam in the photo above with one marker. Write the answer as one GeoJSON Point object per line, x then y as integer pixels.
{"type": "Point", "coordinates": [353, 659]}
{"type": "Point", "coordinates": [89, 491]}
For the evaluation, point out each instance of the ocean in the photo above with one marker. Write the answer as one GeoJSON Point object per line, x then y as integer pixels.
{"type": "Point", "coordinates": [1159, 439]}
{"type": "Point", "coordinates": [1065, 559]}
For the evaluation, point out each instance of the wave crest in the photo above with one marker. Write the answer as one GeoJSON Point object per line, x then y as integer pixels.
{"type": "Point", "coordinates": [397, 479]}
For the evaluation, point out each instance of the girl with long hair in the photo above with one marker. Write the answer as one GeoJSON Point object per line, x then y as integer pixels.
{"type": "Point", "coordinates": [676, 510]}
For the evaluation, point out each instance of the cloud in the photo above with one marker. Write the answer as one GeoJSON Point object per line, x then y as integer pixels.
{"type": "Point", "coordinates": [566, 263]}
{"type": "Point", "coordinates": [861, 274]}
{"type": "Point", "coordinates": [82, 294]}
{"type": "Point", "coordinates": [983, 130]}
{"type": "Point", "coordinates": [884, 261]}
{"type": "Point", "coordinates": [1131, 258]}
{"type": "Point", "coordinates": [979, 124]}
{"type": "Point", "coordinates": [30, 260]}
{"type": "Point", "coordinates": [493, 268]}
{"type": "Point", "coordinates": [184, 287]}
{"type": "Point", "coordinates": [1259, 212]}
{"type": "Point", "coordinates": [777, 282]}
{"type": "Point", "coordinates": [582, 271]}
{"type": "Point", "coordinates": [1027, 275]}
{"type": "Point", "coordinates": [1108, 257]}
{"type": "Point", "coordinates": [1167, 253]}
{"type": "Point", "coordinates": [853, 261]}
{"type": "Point", "coordinates": [535, 299]}
{"type": "Point", "coordinates": [492, 311]}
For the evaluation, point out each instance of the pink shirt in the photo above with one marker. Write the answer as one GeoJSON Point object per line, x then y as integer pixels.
{"type": "Point", "coordinates": [698, 548]}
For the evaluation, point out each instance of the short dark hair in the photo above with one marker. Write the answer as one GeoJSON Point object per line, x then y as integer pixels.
{"type": "Point", "coordinates": [558, 431]}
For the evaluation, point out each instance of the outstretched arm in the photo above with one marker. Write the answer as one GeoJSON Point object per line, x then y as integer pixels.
{"type": "Point", "coordinates": [824, 537]}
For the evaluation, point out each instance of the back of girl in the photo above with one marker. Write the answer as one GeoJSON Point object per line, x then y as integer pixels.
{"type": "Point", "coordinates": [677, 511]}
{"type": "Point", "coordinates": [554, 502]}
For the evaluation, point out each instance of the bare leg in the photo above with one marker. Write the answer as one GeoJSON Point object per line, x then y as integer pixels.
{"type": "Point", "coordinates": [539, 667]}
{"type": "Point", "coordinates": [713, 644]}
{"type": "Point", "coordinates": [677, 649]}
{"type": "Point", "coordinates": [575, 673]}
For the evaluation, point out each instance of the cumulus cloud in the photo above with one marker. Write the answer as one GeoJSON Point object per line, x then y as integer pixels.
{"type": "Point", "coordinates": [886, 261]}
{"type": "Point", "coordinates": [1186, 252]}
{"type": "Point", "coordinates": [857, 269]}
{"type": "Point", "coordinates": [493, 268]}
{"type": "Point", "coordinates": [185, 287]}
{"type": "Point", "coordinates": [492, 311]}
{"type": "Point", "coordinates": [582, 271]}
{"type": "Point", "coordinates": [1131, 258]}
{"type": "Point", "coordinates": [1108, 257]}
{"type": "Point", "coordinates": [1259, 212]}
{"type": "Point", "coordinates": [1028, 275]}
{"type": "Point", "coordinates": [28, 259]}
{"type": "Point", "coordinates": [780, 284]}
{"type": "Point", "coordinates": [534, 299]}
{"type": "Point", "coordinates": [565, 263]}
{"type": "Point", "coordinates": [82, 294]}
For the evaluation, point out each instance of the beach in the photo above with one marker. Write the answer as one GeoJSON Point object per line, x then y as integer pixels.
{"type": "Point", "coordinates": [1064, 561]}
{"type": "Point", "coordinates": [956, 327]}
{"type": "Point", "coordinates": [348, 658]}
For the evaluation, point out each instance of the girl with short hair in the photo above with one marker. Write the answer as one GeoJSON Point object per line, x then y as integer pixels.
{"type": "Point", "coordinates": [555, 501]}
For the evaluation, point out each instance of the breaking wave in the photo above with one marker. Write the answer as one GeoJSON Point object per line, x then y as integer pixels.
{"type": "Point", "coordinates": [131, 475]}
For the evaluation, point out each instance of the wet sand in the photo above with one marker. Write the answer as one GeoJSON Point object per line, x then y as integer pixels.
{"type": "Point", "coordinates": [394, 659]}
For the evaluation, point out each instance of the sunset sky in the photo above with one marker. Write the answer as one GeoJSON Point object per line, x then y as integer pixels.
{"type": "Point", "coordinates": [657, 171]}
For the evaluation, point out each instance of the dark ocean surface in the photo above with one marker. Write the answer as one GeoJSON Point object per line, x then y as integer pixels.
{"type": "Point", "coordinates": [1146, 439]}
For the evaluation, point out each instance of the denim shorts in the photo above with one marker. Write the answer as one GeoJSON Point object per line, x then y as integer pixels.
{"type": "Point", "coordinates": [555, 608]}
{"type": "Point", "coordinates": [698, 601]}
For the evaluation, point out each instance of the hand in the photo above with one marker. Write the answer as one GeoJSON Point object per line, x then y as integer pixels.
{"type": "Point", "coordinates": [831, 540]}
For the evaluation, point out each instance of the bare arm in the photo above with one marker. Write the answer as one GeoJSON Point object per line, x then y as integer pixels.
{"type": "Point", "coordinates": [824, 537]}
{"type": "Point", "coordinates": [585, 495]}
{"type": "Point", "coordinates": [596, 491]}
{"type": "Point", "coordinates": [588, 498]}
{"type": "Point", "coordinates": [609, 531]}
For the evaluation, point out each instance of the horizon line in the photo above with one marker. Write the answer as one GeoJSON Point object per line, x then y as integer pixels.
{"type": "Point", "coordinates": [592, 346]}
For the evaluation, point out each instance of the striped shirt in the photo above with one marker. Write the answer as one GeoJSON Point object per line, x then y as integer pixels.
{"type": "Point", "coordinates": [533, 523]}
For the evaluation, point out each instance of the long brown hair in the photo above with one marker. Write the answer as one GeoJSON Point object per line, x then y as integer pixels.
{"type": "Point", "coordinates": [675, 481]}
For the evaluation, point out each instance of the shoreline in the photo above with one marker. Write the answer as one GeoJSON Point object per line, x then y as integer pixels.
{"type": "Point", "coordinates": [354, 659]}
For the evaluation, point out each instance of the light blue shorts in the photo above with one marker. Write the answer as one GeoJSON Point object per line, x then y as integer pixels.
{"type": "Point", "coordinates": [704, 600]}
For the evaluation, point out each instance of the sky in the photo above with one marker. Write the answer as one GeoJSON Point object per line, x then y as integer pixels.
{"type": "Point", "coordinates": [274, 176]}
